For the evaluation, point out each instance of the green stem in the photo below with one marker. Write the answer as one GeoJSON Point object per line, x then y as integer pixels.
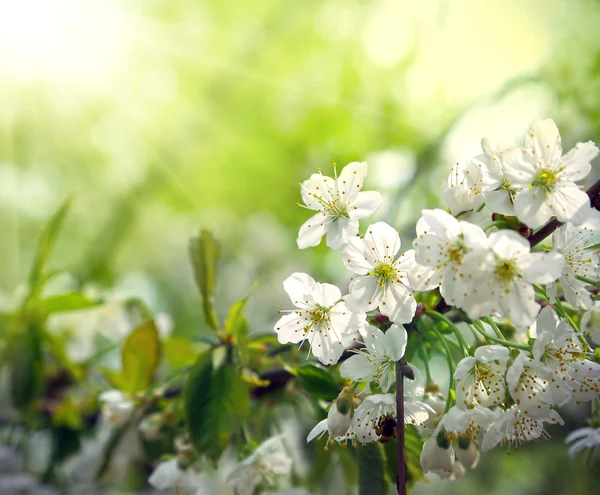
{"type": "Point", "coordinates": [595, 283]}
{"type": "Point", "coordinates": [563, 312]}
{"type": "Point", "coordinates": [448, 356]}
{"type": "Point", "coordinates": [425, 360]}
{"type": "Point", "coordinates": [492, 324]}
{"type": "Point", "coordinates": [459, 336]}
{"type": "Point", "coordinates": [501, 224]}
{"type": "Point", "coordinates": [479, 327]}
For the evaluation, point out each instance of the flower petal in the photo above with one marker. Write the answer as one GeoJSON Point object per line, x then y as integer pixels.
{"type": "Point", "coordinates": [395, 342]}
{"type": "Point", "coordinates": [576, 162]}
{"type": "Point", "coordinates": [365, 294]}
{"type": "Point", "coordinates": [398, 303]}
{"type": "Point", "coordinates": [298, 285]}
{"type": "Point", "coordinates": [533, 207]}
{"type": "Point", "coordinates": [312, 231]}
{"type": "Point", "coordinates": [339, 230]}
{"type": "Point", "coordinates": [542, 268]}
{"type": "Point", "coordinates": [543, 140]}
{"type": "Point", "coordinates": [364, 205]}
{"type": "Point", "coordinates": [383, 241]}
{"type": "Point", "coordinates": [351, 180]}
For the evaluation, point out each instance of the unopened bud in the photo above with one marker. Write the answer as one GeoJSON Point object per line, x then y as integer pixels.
{"type": "Point", "coordinates": [344, 401]}
{"type": "Point", "coordinates": [524, 231]}
{"type": "Point", "coordinates": [435, 458]}
{"type": "Point", "coordinates": [381, 319]}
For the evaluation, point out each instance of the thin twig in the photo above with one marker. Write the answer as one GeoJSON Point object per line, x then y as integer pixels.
{"type": "Point", "coordinates": [401, 479]}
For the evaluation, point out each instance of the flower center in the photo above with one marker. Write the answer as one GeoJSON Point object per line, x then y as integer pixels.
{"type": "Point", "coordinates": [318, 314]}
{"type": "Point", "coordinates": [506, 270]}
{"type": "Point", "coordinates": [546, 179]}
{"type": "Point", "coordinates": [456, 252]}
{"type": "Point", "coordinates": [384, 272]}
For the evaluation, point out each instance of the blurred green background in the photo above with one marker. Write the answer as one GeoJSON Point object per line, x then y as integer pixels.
{"type": "Point", "coordinates": [162, 117]}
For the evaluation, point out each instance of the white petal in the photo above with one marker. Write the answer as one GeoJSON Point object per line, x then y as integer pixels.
{"type": "Point", "coordinates": [500, 202]}
{"type": "Point", "coordinates": [533, 207]}
{"type": "Point", "coordinates": [290, 328]}
{"type": "Point", "coordinates": [569, 201]}
{"type": "Point", "coordinates": [318, 186]}
{"type": "Point", "coordinates": [543, 140]}
{"type": "Point", "coordinates": [395, 342]}
{"type": "Point", "coordinates": [365, 204]}
{"type": "Point", "coordinates": [358, 368]}
{"type": "Point", "coordinates": [518, 304]}
{"type": "Point", "coordinates": [350, 180]}
{"type": "Point", "coordinates": [576, 162]}
{"type": "Point", "coordinates": [398, 303]}
{"type": "Point", "coordinates": [518, 167]}
{"type": "Point", "coordinates": [442, 223]}
{"type": "Point", "coordinates": [298, 285]}
{"type": "Point", "coordinates": [339, 231]}
{"type": "Point", "coordinates": [325, 295]}
{"type": "Point", "coordinates": [365, 294]}
{"type": "Point", "coordinates": [383, 241]}
{"type": "Point", "coordinates": [487, 353]}
{"type": "Point", "coordinates": [356, 257]}
{"type": "Point", "coordinates": [312, 231]}
{"type": "Point", "coordinates": [542, 268]}
{"type": "Point", "coordinates": [320, 428]}
{"type": "Point", "coordinates": [508, 244]}
{"type": "Point", "coordinates": [464, 367]}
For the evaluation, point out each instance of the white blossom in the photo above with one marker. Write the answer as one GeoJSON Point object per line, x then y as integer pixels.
{"type": "Point", "coordinates": [340, 205]}
{"type": "Point", "coordinates": [117, 407]}
{"type": "Point", "coordinates": [584, 438]}
{"type": "Point", "coordinates": [270, 459]}
{"type": "Point", "coordinates": [383, 276]}
{"type": "Point", "coordinates": [169, 475]}
{"type": "Point", "coordinates": [514, 428]}
{"type": "Point", "coordinates": [480, 378]}
{"type": "Point", "coordinates": [501, 278]}
{"type": "Point", "coordinates": [528, 383]}
{"type": "Point", "coordinates": [321, 318]}
{"type": "Point", "coordinates": [441, 245]}
{"type": "Point", "coordinates": [545, 179]}
{"type": "Point", "coordinates": [462, 190]}
{"type": "Point", "coordinates": [590, 322]}
{"type": "Point", "coordinates": [498, 193]}
{"type": "Point", "coordinates": [575, 244]}
{"type": "Point", "coordinates": [376, 362]}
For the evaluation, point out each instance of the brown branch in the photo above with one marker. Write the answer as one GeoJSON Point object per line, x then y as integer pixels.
{"type": "Point", "coordinates": [538, 236]}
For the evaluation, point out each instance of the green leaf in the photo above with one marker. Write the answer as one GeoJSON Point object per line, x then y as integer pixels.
{"type": "Point", "coordinates": [204, 254]}
{"type": "Point", "coordinates": [371, 470]}
{"type": "Point", "coordinates": [37, 275]}
{"type": "Point", "coordinates": [215, 401]}
{"type": "Point", "coordinates": [318, 381]}
{"type": "Point", "coordinates": [27, 368]}
{"type": "Point", "coordinates": [236, 324]}
{"type": "Point", "coordinates": [412, 447]}
{"type": "Point", "coordinates": [139, 357]}
{"type": "Point", "coordinates": [72, 301]}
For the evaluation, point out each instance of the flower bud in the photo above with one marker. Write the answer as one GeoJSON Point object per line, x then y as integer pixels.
{"type": "Point", "coordinates": [340, 414]}
{"type": "Point", "coordinates": [436, 458]}
{"type": "Point", "coordinates": [468, 454]}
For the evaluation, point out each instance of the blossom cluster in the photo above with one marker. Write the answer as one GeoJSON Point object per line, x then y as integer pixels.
{"type": "Point", "coordinates": [481, 256]}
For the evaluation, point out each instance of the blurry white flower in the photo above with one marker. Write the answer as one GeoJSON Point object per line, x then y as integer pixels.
{"type": "Point", "coordinates": [322, 318]}
{"type": "Point", "coordinates": [469, 456]}
{"type": "Point", "coordinates": [116, 407]}
{"type": "Point", "coordinates": [340, 204]}
{"type": "Point", "coordinates": [169, 475]}
{"type": "Point", "coordinates": [376, 362]}
{"type": "Point", "coordinates": [590, 322]}
{"type": "Point", "coordinates": [502, 276]}
{"type": "Point", "coordinates": [584, 438]}
{"type": "Point", "coordinates": [545, 179]}
{"type": "Point", "coordinates": [267, 461]}
{"type": "Point", "coordinates": [383, 277]}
